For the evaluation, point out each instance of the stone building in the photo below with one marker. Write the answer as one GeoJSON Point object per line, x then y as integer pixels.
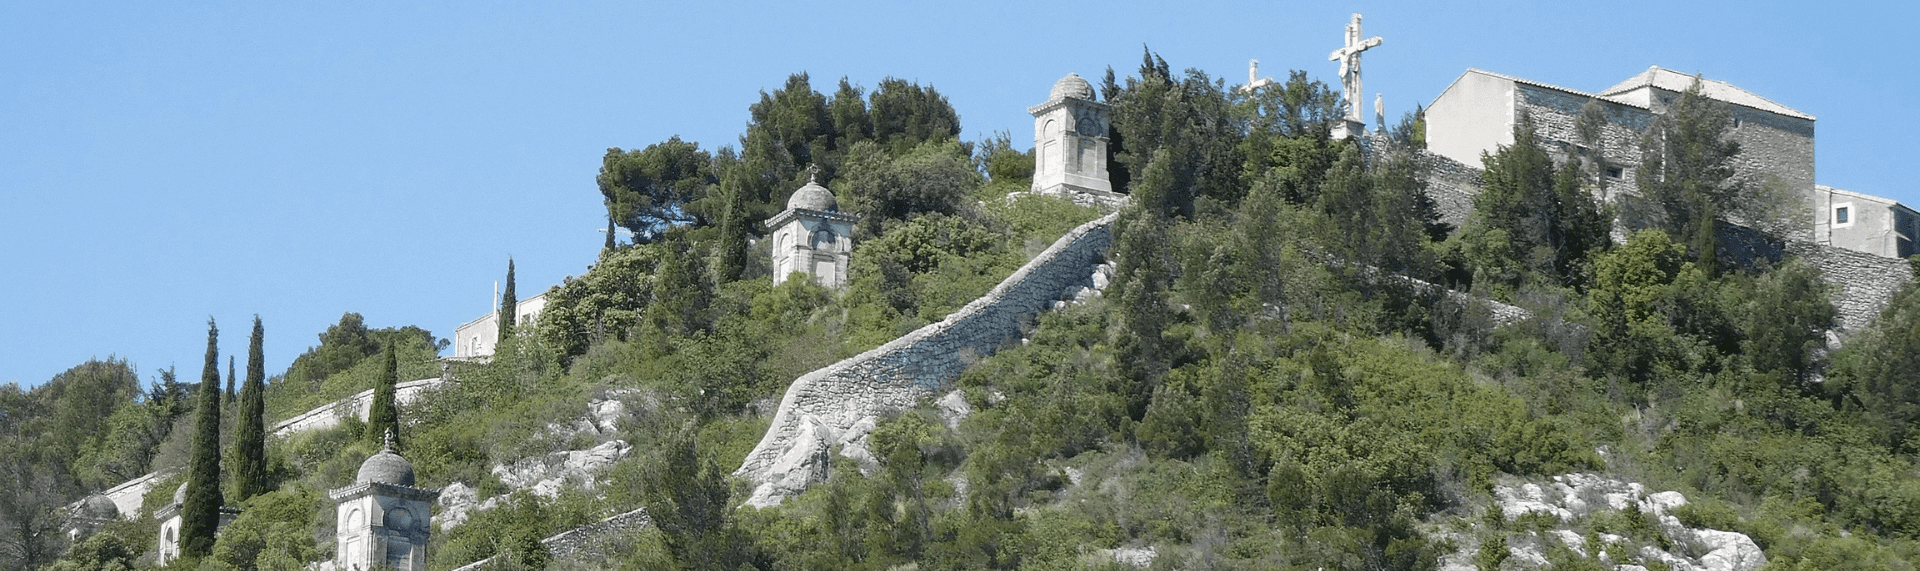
{"type": "Point", "coordinates": [813, 237]}
{"type": "Point", "coordinates": [1863, 222]}
{"type": "Point", "coordinates": [383, 521]}
{"type": "Point", "coordinates": [89, 514]}
{"type": "Point", "coordinates": [1477, 112]}
{"type": "Point", "coordinates": [1070, 143]}
{"type": "Point", "coordinates": [171, 518]}
{"type": "Point", "coordinates": [475, 339]}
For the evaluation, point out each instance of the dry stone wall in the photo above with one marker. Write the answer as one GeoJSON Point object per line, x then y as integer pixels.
{"type": "Point", "coordinates": [897, 375]}
{"type": "Point", "coordinates": [1863, 283]}
{"type": "Point", "coordinates": [581, 542]}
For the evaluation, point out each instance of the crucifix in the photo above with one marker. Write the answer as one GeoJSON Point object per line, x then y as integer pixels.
{"type": "Point", "coordinates": [1254, 81]}
{"type": "Point", "coordinates": [1349, 58]}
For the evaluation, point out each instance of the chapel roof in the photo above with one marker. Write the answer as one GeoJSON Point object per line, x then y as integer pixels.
{"type": "Point", "coordinates": [1670, 80]}
{"type": "Point", "coordinates": [813, 197]}
{"type": "Point", "coordinates": [98, 507]}
{"type": "Point", "coordinates": [1071, 86]}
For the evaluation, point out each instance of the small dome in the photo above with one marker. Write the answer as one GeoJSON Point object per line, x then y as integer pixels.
{"type": "Point", "coordinates": [180, 494]}
{"type": "Point", "coordinates": [99, 507]}
{"type": "Point", "coordinates": [385, 468]}
{"type": "Point", "coordinates": [814, 197]}
{"type": "Point", "coordinates": [1072, 86]}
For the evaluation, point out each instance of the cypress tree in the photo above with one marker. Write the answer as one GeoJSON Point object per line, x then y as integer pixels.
{"type": "Point", "coordinates": [610, 230]}
{"type": "Point", "coordinates": [508, 305]}
{"type": "Point", "coordinates": [733, 233]}
{"type": "Point", "coordinates": [250, 435]}
{"type": "Point", "coordinates": [229, 394]}
{"type": "Point", "coordinates": [383, 413]}
{"type": "Point", "coordinates": [200, 513]}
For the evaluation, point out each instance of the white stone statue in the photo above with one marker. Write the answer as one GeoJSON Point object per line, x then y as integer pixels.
{"type": "Point", "coordinates": [1349, 58]}
{"type": "Point", "coordinates": [1379, 112]}
{"type": "Point", "coordinates": [1254, 81]}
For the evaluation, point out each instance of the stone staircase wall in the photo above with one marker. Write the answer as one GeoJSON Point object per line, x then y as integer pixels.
{"type": "Point", "coordinates": [897, 375]}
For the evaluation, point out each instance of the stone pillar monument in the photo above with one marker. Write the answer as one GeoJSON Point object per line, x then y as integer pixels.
{"type": "Point", "coordinates": [812, 236]}
{"type": "Point", "coordinates": [1070, 144]}
{"type": "Point", "coordinates": [1349, 58]}
{"type": "Point", "coordinates": [383, 520]}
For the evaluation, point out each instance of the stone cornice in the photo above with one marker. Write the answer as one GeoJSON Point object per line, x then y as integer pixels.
{"type": "Point", "coordinates": [360, 489]}
{"type": "Point", "coordinates": [791, 213]}
{"type": "Point", "coordinates": [1062, 102]}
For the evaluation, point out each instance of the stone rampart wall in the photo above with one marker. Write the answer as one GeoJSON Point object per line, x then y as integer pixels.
{"type": "Point", "coordinates": [356, 405]}
{"type": "Point", "coordinates": [895, 376]}
{"type": "Point", "coordinates": [1863, 283]}
{"type": "Point", "coordinates": [577, 543]}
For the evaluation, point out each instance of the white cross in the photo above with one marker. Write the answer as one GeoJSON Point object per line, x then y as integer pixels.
{"type": "Point", "coordinates": [1254, 81]}
{"type": "Point", "coordinates": [1349, 58]}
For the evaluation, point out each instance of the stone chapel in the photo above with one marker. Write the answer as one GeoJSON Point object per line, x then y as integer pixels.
{"type": "Point", "coordinates": [382, 520]}
{"type": "Point", "coordinates": [813, 237]}
{"type": "Point", "coordinates": [1070, 144]}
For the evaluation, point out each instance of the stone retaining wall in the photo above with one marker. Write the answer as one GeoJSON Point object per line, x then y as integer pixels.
{"type": "Point", "coordinates": [357, 405]}
{"type": "Point", "coordinates": [579, 542]}
{"type": "Point", "coordinates": [897, 375]}
{"type": "Point", "coordinates": [1863, 283]}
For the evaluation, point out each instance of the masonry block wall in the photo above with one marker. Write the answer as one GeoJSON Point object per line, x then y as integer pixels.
{"type": "Point", "coordinates": [897, 375]}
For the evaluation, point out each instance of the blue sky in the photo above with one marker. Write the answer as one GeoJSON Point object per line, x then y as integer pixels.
{"type": "Point", "coordinates": [163, 163]}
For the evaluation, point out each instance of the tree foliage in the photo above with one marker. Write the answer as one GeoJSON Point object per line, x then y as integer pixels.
{"type": "Point", "coordinates": [250, 433]}
{"type": "Point", "coordinates": [200, 514]}
{"type": "Point", "coordinates": [383, 413]}
{"type": "Point", "coordinates": [652, 189]}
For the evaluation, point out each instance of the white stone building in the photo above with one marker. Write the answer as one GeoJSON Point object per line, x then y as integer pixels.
{"type": "Point", "coordinates": [1070, 143]}
{"type": "Point", "coordinates": [1863, 222]}
{"type": "Point", "coordinates": [171, 519]}
{"type": "Point", "coordinates": [1476, 114]}
{"type": "Point", "coordinates": [476, 338]}
{"type": "Point", "coordinates": [813, 237]}
{"type": "Point", "coordinates": [383, 521]}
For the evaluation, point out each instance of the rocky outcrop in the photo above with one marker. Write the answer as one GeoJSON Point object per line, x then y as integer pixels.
{"type": "Point", "coordinates": [821, 408]}
{"type": "Point", "coordinates": [1569, 498]}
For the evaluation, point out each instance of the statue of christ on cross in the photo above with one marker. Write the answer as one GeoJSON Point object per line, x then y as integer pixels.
{"type": "Point", "coordinates": [1349, 58]}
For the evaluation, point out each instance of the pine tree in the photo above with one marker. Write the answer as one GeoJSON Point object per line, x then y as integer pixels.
{"type": "Point", "coordinates": [250, 433]}
{"type": "Point", "coordinates": [200, 513]}
{"type": "Point", "coordinates": [383, 413]}
{"type": "Point", "coordinates": [508, 305]}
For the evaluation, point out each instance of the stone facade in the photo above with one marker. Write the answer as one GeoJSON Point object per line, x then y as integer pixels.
{"type": "Point", "coordinates": [1477, 113]}
{"type": "Point", "coordinates": [171, 520]}
{"type": "Point", "coordinates": [475, 339]}
{"type": "Point", "coordinates": [1863, 223]}
{"type": "Point", "coordinates": [813, 237]}
{"type": "Point", "coordinates": [1070, 143]}
{"type": "Point", "coordinates": [382, 520]}
{"type": "Point", "coordinates": [897, 375]}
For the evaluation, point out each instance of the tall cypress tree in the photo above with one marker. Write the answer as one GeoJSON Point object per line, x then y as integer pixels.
{"type": "Point", "coordinates": [230, 378]}
{"type": "Point", "coordinates": [200, 513]}
{"type": "Point", "coordinates": [383, 413]}
{"type": "Point", "coordinates": [508, 305]}
{"type": "Point", "coordinates": [250, 434]}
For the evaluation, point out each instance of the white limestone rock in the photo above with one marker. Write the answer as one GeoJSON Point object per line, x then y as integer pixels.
{"type": "Point", "coordinates": [1136, 557]}
{"type": "Point", "coordinates": [954, 408]}
{"type": "Point", "coordinates": [1575, 495]}
{"type": "Point", "coordinates": [546, 475]}
{"type": "Point", "coordinates": [457, 501]}
{"type": "Point", "coordinates": [803, 464]}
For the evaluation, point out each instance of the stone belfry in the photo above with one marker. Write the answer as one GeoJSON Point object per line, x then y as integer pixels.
{"type": "Point", "coordinates": [1070, 143]}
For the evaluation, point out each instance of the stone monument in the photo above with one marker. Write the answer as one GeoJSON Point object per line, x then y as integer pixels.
{"type": "Point", "coordinates": [1070, 144]}
{"type": "Point", "coordinates": [171, 519]}
{"type": "Point", "coordinates": [812, 236]}
{"type": "Point", "coordinates": [383, 520]}
{"type": "Point", "coordinates": [1349, 58]}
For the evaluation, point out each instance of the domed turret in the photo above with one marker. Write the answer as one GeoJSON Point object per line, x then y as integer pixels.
{"type": "Point", "coordinates": [1072, 86]}
{"type": "Point", "coordinates": [385, 467]}
{"type": "Point", "coordinates": [814, 197]}
{"type": "Point", "coordinates": [99, 507]}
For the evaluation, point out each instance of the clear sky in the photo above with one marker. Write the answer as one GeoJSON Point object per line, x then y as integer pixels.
{"type": "Point", "coordinates": [161, 163]}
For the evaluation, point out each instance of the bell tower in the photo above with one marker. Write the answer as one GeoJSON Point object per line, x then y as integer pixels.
{"type": "Point", "coordinates": [1070, 143]}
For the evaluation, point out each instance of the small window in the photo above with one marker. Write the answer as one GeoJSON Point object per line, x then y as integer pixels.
{"type": "Point", "coordinates": [1615, 173]}
{"type": "Point", "coordinates": [1840, 215]}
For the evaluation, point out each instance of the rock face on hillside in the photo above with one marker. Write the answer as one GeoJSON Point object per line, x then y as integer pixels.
{"type": "Point", "coordinates": [1574, 500]}
{"type": "Point", "coordinates": [546, 475]}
